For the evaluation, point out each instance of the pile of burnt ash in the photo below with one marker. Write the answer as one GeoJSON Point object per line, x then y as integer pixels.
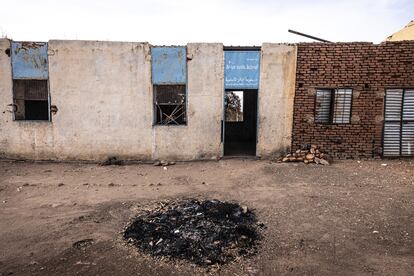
{"type": "Point", "coordinates": [202, 232]}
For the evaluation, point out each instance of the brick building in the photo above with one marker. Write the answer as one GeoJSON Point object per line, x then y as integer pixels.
{"type": "Point", "coordinates": [355, 100]}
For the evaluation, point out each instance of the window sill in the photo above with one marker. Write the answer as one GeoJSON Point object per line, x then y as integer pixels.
{"type": "Point", "coordinates": [181, 125]}
{"type": "Point", "coordinates": [33, 121]}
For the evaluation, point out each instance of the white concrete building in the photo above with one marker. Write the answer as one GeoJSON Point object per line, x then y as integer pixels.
{"type": "Point", "coordinates": [101, 102]}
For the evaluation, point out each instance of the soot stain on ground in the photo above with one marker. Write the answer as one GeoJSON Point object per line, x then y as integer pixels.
{"type": "Point", "coordinates": [203, 232]}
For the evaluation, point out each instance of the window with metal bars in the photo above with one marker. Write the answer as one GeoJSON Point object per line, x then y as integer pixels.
{"type": "Point", "coordinates": [333, 106]}
{"type": "Point", "coordinates": [170, 104]}
{"type": "Point", "coordinates": [31, 100]}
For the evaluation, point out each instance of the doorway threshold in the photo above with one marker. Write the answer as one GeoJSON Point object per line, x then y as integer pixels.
{"type": "Point", "coordinates": [250, 157]}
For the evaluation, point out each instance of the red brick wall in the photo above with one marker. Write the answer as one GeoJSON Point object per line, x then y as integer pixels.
{"type": "Point", "coordinates": [366, 68]}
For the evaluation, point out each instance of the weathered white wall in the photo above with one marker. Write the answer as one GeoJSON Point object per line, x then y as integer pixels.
{"type": "Point", "coordinates": [276, 96]}
{"type": "Point", "coordinates": [103, 95]}
{"type": "Point", "coordinates": [200, 138]}
{"type": "Point", "coordinates": [32, 140]}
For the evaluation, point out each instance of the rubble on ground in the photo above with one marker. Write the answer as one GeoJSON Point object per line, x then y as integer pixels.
{"type": "Point", "coordinates": [311, 155]}
{"type": "Point", "coordinates": [112, 161]}
{"type": "Point", "coordinates": [203, 232]}
{"type": "Point", "coordinates": [163, 163]}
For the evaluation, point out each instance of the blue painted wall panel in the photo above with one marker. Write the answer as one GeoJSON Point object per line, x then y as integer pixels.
{"type": "Point", "coordinates": [29, 60]}
{"type": "Point", "coordinates": [169, 65]}
{"type": "Point", "coordinates": [241, 69]}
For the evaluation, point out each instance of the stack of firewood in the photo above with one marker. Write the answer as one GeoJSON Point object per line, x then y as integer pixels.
{"type": "Point", "coordinates": [307, 156]}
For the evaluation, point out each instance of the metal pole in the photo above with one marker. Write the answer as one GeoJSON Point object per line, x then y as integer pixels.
{"type": "Point", "coordinates": [308, 36]}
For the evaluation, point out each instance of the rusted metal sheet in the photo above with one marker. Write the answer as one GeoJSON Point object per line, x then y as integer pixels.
{"type": "Point", "coordinates": [29, 60]}
{"type": "Point", "coordinates": [169, 65]}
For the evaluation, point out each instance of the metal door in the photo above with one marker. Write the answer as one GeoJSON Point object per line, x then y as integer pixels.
{"type": "Point", "coordinates": [399, 123]}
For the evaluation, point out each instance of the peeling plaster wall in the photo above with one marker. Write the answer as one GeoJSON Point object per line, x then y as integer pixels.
{"type": "Point", "coordinates": [32, 140]}
{"type": "Point", "coordinates": [103, 95]}
{"type": "Point", "coordinates": [200, 138]}
{"type": "Point", "coordinates": [275, 99]}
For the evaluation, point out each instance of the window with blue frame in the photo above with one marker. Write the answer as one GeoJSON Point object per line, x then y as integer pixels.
{"type": "Point", "coordinates": [30, 81]}
{"type": "Point", "coordinates": [169, 79]}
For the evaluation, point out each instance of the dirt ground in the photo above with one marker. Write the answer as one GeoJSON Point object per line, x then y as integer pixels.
{"type": "Point", "coordinates": [350, 218]}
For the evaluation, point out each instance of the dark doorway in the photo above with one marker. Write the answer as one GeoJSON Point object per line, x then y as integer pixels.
{"type": "Point", "coordinates": [240, 122]}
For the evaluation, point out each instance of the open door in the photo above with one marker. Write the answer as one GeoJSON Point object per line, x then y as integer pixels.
{"type": "Point", "coordinates": [241, 84]}
{"type": "Point", "coordinates": [240, 122]}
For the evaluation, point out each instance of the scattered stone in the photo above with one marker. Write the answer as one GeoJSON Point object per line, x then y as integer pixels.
{"type": "Point", "coordinates": [82, 244]}
{"type": "Point", "coordinates": [309, 156]}
{"type": "Point", "coordinates": [375, 232]}
{"type": "Point", "coordinates": [33, 263]}
{"type": "Point", "coordinates": [323, 162]}
{"type": "Point", "coordinates": [164, 163]}
{"type": "Point", "coordinates": [84, 263]}
{"type": "Point", "coordinates": [384, 165]}
{"type": "Point", "coordinates": [19, 189]}
{"type": "Point", "coordinates": [203, 232]}
{"type": "Point", "coordinates": [165, 168]}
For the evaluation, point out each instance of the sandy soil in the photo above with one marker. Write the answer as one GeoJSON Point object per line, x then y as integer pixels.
{"type": "Point", "coordinates": [350, 218]}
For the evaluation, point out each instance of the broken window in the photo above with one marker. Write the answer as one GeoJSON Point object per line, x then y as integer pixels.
{"type": "Point", "coordinates": [333, 106]}
{"type": "Point", "coordinates": [31, 100]}
{"type": "Point", "coordinates": [30, 80]}
{"type": "Point", "coordinates": [170, 104]}
{"type": "Point", "coordinates": [234, 106]}
{"type": "Point", "coordinates": [169, 77]}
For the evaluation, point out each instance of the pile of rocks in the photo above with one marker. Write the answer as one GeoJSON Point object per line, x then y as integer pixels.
{"type": "Point", "coordinates": [307, 156]}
